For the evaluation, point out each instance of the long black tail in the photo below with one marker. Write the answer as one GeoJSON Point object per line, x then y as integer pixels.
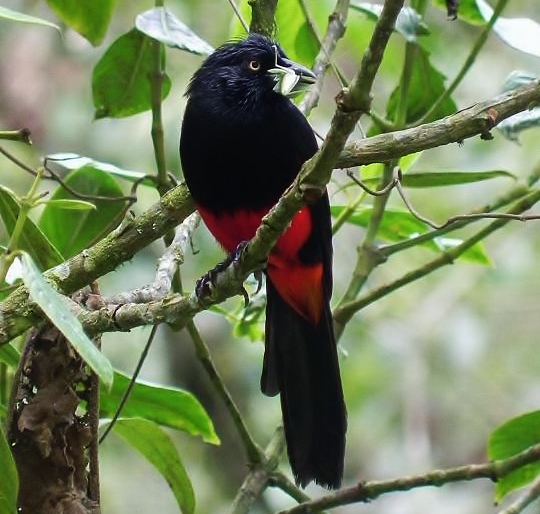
{"type": "Point", "coordinates": [300, 363]}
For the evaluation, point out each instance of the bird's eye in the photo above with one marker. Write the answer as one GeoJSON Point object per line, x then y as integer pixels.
{"type": "Point", "coordinates": [254, 65]}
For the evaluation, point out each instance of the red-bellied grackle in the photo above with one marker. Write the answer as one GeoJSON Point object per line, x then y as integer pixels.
{"type": "Point", "coordinates": [242, 144]}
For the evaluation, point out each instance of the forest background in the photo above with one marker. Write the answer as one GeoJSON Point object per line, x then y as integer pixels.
{"type": "Point", "coordinates": [430, 370]}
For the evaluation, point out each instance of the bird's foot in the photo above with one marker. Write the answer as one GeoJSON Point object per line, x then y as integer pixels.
{"type": "Point", "coordinates": [207, 283]}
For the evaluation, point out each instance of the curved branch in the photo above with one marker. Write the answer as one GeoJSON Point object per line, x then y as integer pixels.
{"type": "Point", "coordinates": [479, 119]}
{"type": "Point", "coordinates": [17, 313]}
{"type": "Point", "coordinates": [367, 491]}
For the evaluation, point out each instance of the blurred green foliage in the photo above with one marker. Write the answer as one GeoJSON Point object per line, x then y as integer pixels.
{"type": "Point", "coordinates": [428, 371]}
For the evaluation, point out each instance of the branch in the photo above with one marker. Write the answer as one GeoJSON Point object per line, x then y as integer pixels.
{"type": "Point", "coordinates": [344, 312]}
{"type": "Point", "coordinates": [262, 16]}
{"type": "Point", "coordinates": [370, 490]}
{"type": "Point", "coordinates": [17, 313]}
{"type": "Point", "coordinates": [478, 119]}
{"type": "Point", "coordinates": [334, 32]}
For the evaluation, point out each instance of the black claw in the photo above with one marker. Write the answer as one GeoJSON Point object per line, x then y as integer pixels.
{"type": "Point", "coordinates": [207, 282]}
{"type": "Point", "coordinates": [258, 274]}
{"type": "Point", "coordinates": [246, 297]}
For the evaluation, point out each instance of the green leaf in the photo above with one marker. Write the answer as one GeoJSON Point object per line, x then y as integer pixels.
{"type": "Point", "coordinates": [81, 228]}
{"type": "Point", "coordinates": [425, 88]}
{"type": "Point", "coordinates": [408, 23]}
{"type": "Point", "coordinates": [120, 80]}
{"type": "Point", "coordinates": [452, 178]}
{"type": "Point", "coordinates": [8, 14]}
{"type": "Point", "coordinates": [468, 11]}
{"type": "Point", "coordinates": [160, 24]}
{"type": "Point", "coordinates": [156, 446]}
{"type": "Point", "coordinates": [9, 485]}
{"type": "Point", "coordinates": [32, 239]}
{"type": "Point", "coordinates": [71, 205]}
{"type": "Point", "coordinates": [90, 19]}
{"type": "Point", "coordinates": [9, 355]}
{"type": "Point", "coordinates": [512, 127]}
{"type": "Point", "coordinates": [167, 406]}
{"type": "Point", "coordinates": [292, 29]}
{"type": "Point", "coordinates": [399, 225]}
{"type": "Point", "coordinates": [523, 34]}
{"type": "Point", "coordinates": [56, 309]}
{"type": "Point", "coordinates": [445, 178]}
{"type": "Point", "coordinates": [510, 438]}
{"type": "Point", "coordinates": [73, 161]}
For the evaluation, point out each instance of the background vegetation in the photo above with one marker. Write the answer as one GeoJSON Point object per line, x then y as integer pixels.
{"type": "Point", "coordinates": [429, 371]}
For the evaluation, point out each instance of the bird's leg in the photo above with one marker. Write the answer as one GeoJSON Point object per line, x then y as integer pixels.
{"type": "Point", "coordinates": [207, 282]}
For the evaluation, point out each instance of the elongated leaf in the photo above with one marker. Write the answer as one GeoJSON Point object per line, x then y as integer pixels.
{"type": "Point", "coordinates": [71, 205]}
{"type": "Point", "coordinates": [53, 305]}
{"type": "Point", "coordinates": [523, 34]}
{"type": "Point", "coordinates": [426, 86]}
{"type": "Point", "coordinates": [9, 485]}
{"type": "Point", "coordinates": [120, 83]}
{"type": "Point", "coordinates": [398, 225]}
{"type": "Point", "coordinates": [166, 406]}
{"type": "Point", "coordinates": [511, 438]}
{"type": "Point", "coordinates": [8, 14]}
{"type": "Point", "coordinates": [9, 355]}
{"type": "Point", "coordinates": [156, 446]}
{"type": "Point", "coordinates": [408, 23]}
{"type": "Point", "coordinates": [72, 161]}
{"type": "Point", "coordinates": [89, 18]}
{"type": "Point", "coordinates": [446, 178]}
{"type": "Point", "coordinates": [32, 239]}
{"type": "Point", "coordinates": [81, 228]}
{"type": "Point", "coordinates": [160, 24]}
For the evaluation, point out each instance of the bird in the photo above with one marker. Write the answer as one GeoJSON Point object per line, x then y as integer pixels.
{"type": "Point", "coordinates": [242, 143]}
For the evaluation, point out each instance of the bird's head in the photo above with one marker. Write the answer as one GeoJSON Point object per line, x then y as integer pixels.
{"type": "Point", "coordinates": [248, 69]}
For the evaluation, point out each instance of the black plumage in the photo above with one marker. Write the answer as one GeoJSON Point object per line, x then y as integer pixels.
{"type": "Point", "coordinates": [242, 144]}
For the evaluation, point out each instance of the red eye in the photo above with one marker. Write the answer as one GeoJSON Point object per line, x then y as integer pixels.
{"type": "Point", "coordinates": [254, 65]}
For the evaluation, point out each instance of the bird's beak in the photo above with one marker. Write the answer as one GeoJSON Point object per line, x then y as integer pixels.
{"type": "Point", "coordinates": [290, 78]}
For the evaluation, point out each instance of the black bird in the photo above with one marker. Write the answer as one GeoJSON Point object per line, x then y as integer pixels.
{"type": "Point", "coordinates": [242, 144]}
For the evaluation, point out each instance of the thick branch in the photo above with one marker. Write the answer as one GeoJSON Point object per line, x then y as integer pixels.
{"type": "Point", "coordinates": [477, 119]}
{"type": "Point", "coordinates": [17, 313]}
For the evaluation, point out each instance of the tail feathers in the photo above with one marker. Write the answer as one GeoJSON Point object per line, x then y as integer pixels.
{"type": "Point", "coordinates": [301, 364]}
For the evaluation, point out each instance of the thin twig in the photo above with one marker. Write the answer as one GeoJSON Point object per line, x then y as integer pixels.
{"type": "Point", "coordinates": [238, 14]}
{"type": "Point", "coordinates": [131, 385]}
{"type": "Point", "coordinates": [167, 266]}
{"type": "Point", "coordinates": [254, 453]}
{"type": "Point", "coordinates": [345, 310]}
{"type": "Point", "coordinates": [334, 32]}
{"type": "Point", "coordinates": [56, 177]}
{"type": "Point", "coordinates": [18, 162]}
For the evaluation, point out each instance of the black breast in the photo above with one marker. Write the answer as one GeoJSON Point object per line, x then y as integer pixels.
{"type": "Point", "coordinates": [244, 157]}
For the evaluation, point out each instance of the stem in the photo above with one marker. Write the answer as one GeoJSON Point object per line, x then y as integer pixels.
{"type": "Point", "coordinates": [21, 135]}
{"type": "Point", "coordinates": [157, 78]}
{"type": "Point", "coordinates": [26, 203]}
{"type": "Point", "coordinates": [253, 451]}
{"type": "Point", "coordinates": [262, 16]}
